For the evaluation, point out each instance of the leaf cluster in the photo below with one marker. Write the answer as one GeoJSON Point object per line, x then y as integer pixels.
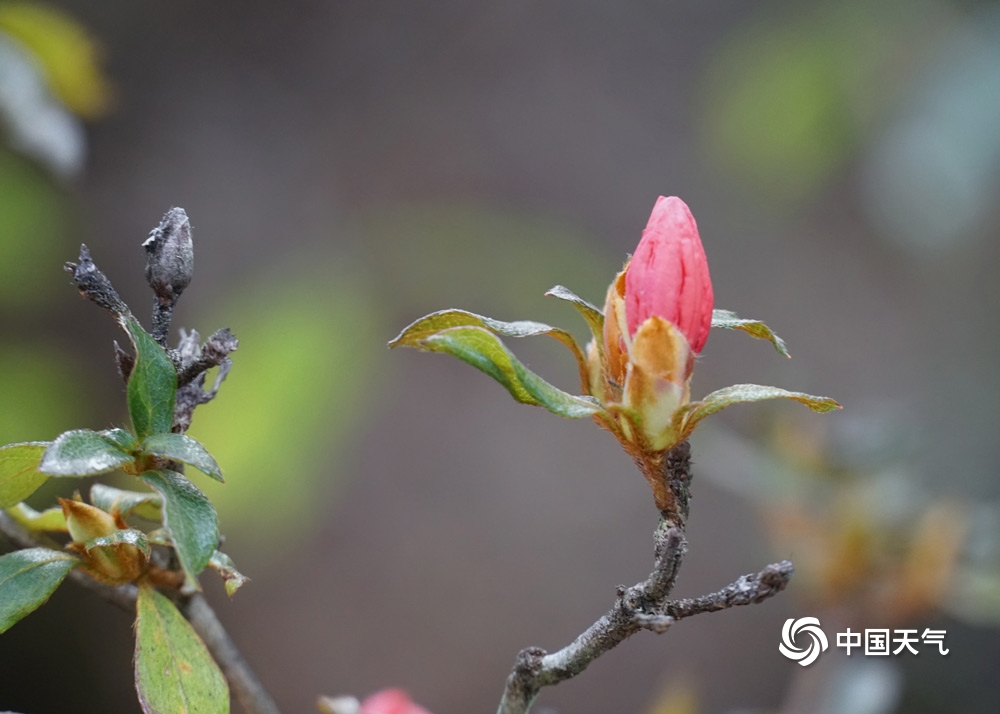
{"type": "Point", "coordinates": [173, 669]}
{"type": "Point", "coordinates": [475, 339]}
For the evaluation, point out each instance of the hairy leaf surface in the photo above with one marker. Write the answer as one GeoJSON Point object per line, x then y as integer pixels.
{"type": "Point", "coordinates": [174, 672]}
{"type": "Point", "coordinates": [27, 578]}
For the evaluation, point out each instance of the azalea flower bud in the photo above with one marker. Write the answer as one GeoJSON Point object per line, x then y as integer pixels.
{"type": "Point", "coordinates": [668, 274]}
{"type": "Point", "coordinates": [391, 701]}
{"type": "Point", "coordinates": [86, 522]}
{"type": "Point", "coordinates": [114, 564]}
{"type": "Point", "coordinates": [656, 319]}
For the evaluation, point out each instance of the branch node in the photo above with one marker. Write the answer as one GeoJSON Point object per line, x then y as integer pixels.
{"type": "Point", "coordinates": [655, 623]}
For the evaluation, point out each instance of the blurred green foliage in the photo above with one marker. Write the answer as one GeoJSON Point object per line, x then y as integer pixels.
{"type": "Point", "coordinates": [789, 99]}
{"type": "Point", "coordinates": [32, 219]}
{"type": "Point", "coordinates": [42, 395]}
{"type": "Point", "coordinates": [300, 388]}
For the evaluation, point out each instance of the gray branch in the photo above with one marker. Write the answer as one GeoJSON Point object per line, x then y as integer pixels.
{"type": "Point", "coordinates": [95, 286]}
{"type": "Point", "coordinates": [644, 606]}
{"type": "Point", "coordinates": [169, 267]}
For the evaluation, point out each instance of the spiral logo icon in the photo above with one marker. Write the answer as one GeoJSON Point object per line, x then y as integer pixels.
{"type": "Point", "coordinates": [807, 627]}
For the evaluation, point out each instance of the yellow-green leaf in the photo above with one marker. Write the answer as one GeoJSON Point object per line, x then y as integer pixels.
{"type": "Point", "coordinates": [591, 313]}
{"type": "Point", "coordinates": [174, 672]}
{"type": "Point", "coordinates": [484, 351]}
{"type": "Point", "coordinates": [755, 328]}
{"type": "Point", "coordinates": [436, 322]}
{"type": "Point", "coordinates": [19, 475]}
{"type": "Point", "coordinates": [115, 501]}
{"type": "Point", "coordinates": [51, 519]}
{"type": "Point", "coordinates": [740, 393]}
{"type": "Point", "coordinates": [224, 566]}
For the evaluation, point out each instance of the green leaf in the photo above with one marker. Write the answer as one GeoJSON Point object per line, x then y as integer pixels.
{"type": "Point", "coordinates": [190, 518]}
{"type": "Point", "coordinates": [124, 439]}
{"type": "Point", "coordinates": [224, 566]}
{"type": "Point", "coordinates": [19, 475]}
{"type": "Point", "coordinates": [174, 672]}
{"type": "Point", "coordinates": [152, 386]}
{"type": "Point", "coordinates": [180, 447]}
{"type": "Point", "coordinates": [129, 536]}
{"type": "Point", "coordinates": [755, 328]}
{"type": "Point", "coordinates": [425, 327]}
{"type": "Point", "coordinates": [591, 313]}
{"type": "Point", "coordinates": [484, 351]}
{"type": "Point", "coordinates": [739, 393]}
{"type": "Point", "coordinates": [118, 502]}
{"type": "Point", "coordinates": [51, 519]}
{"type": "Point", "coordinates": [82, 453]}
{"type": "Point", "coordinates": [27, 578]}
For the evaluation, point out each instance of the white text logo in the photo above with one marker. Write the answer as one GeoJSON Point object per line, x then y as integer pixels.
{"type": "Point", "coordinates": [806, 628]}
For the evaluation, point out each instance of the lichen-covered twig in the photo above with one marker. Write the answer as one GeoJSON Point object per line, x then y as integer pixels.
{"type": "Point", "coordinates": [169, 267]}
{"type": "Point", "coordinates": [644, 606]}
{"type": "Point", "coordinates": [194, 360]}
{"type": "Point", "coordinates": [95, 286]}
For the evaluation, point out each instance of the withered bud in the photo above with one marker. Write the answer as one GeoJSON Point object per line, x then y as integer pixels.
{"type": "Point", "coordinates": [170, 259]}
{"type": "Point", "coordinates": [94, 285]}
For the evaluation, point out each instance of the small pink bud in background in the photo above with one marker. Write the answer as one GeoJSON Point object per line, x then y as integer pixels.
{"type": "Point", "coordinates": [391, 701]}
{"type": "Point", "coordinates": [668, 274]}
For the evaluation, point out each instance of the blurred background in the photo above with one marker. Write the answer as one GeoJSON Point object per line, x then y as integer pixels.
{"type": "Point", "coordinates": [350, 166]}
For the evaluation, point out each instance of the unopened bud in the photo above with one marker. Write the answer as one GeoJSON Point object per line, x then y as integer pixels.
{"type": "Point", "coordinates": [170, 259]}
{"type": "Point", "coordinates": [115, 563]}
{"type": "Point", "coordinates": [86, 522]}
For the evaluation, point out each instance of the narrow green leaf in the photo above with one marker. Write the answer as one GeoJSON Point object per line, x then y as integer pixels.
{"type": "Point", "coordinates": [755, 328]}
{"type": "Point", "coordinates": [484, 351]}
{"type": "Point", "coordinates": [118, 502]}
{"type": "Point", "coordinates": [425, 327]}
{"type": "Point", "coordinates": [129, 536]}
{"type": "Point", "coordinates": [739, 393]}
{"type": "Point", "coordinates": [27, 578]}
{"type": "Point", "coordinates": [591, 313]}
{"type": "Point", "coordinates": [124, 439]}
{"type": "Point", "coordinates": [51, 519]}
{"type": "Point", "coordinates": [224, 566]}
{"type": "Point", "coordinates": [19, 474]}
{"type": "Point", "coordinates": [180, 447]}
{"type": "Point", "coordinates": [189, 516]}
{"type": "Point", "coordinates": [174, 672]}
{"type": "Point", "coordinates": [152, 386]}
{"type": "Point", "coordinates": [82, 452]}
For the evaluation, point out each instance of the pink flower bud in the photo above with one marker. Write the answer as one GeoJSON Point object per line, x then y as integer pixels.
{"type": "Point", "coordinates": [668, 275]}
{"type": "Point", "coordinates": [390, 701]}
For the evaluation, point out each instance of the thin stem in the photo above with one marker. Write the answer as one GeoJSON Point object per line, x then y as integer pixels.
{"type": "Point", "coordinates": [243, 683]}
{"type": "Point", "coordinates": [645, 605]}
{"type": "Point", "coordinates": [163, 315]}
